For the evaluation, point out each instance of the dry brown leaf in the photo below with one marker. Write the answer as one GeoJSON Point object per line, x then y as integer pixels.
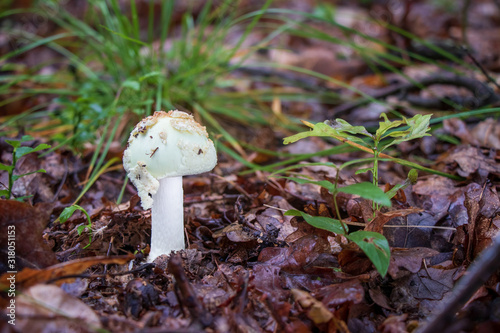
{"type": "Point", "coordinates": [471, 160]}
{"type": "Point", "coordinates": [29, 277]}
{"type": "Point", "coordinates": [28, 223]}
{"type": "Point", "coordinates": [381, 219]}
{"type": "Point", "coordinates": [316, 311]}
{"type": "Point", "coordinates": [47, 308]}
{"type": "Point", "coordinates": [409, 259]}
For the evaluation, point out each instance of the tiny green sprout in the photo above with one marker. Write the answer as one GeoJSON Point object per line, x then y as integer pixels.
{"type": "Point", "coordinates": [411, 179]}
{"type": "Point", "coordinates": [69, 211]}
{"type": "Point", "coordinates": [412, 176]}
{"type": "Point", "coordinates": [18, 152]}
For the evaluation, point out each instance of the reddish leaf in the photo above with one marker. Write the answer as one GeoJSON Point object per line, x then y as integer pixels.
{"type": "Point", "coordinates": [28, 223]}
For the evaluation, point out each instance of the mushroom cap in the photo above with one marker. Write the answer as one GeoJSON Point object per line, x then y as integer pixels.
{"type": "Point", "coordinates": [166, 144]}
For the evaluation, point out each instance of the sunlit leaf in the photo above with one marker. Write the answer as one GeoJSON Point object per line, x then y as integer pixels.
{"type": "Point", "coordinates": [387, 125]}
{"type": "Point", "coordinates": [322, 129]}
{"type": "Point", "coordinates": [418, 128]}
{"type": "Point", "coordinates": [340, 125]}
{"type": "Point", "coordinates": [375, 246]}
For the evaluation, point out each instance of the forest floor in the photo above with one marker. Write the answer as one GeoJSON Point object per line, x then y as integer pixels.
{"type": "Point", "coordinates": [248, 267]}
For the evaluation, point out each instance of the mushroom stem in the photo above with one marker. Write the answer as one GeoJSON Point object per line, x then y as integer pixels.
{"type": "Point", "coordinates": [167, 218]}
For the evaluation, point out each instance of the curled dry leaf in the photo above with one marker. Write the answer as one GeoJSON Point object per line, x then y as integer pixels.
{"type": "Point", "coordinates": [471, 160]}
{"type": "Point", "coordinates": [29, 277]}
{"type": "Point", "coordinates": [484, 134]}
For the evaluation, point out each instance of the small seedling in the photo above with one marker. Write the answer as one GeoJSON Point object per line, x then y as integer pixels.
{"type": "Point", "coordinates": [69, 211]}
{"type": "Point", "coordinates": [19, 151]}
{"type": "Point", "coordinates": [375, 245]}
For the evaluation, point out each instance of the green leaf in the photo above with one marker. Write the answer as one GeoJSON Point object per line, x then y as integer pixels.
{"type": "Point", "coordinates": [81, 228]}
{"type": "Point", "coordinates": [360, 171]}
{"type": "Point", "coordinates": [386, 125]}
{"type": "Point", "coordinates": [21, 151]}
{"type": "Point", "coordinates": [21, 199]}
{"type": "Point", "coordinates": [340, 125]}
{"type": "Point", "coordinates": [392, 192]}
{"type": "Point", "coordinates": [134, 85]}
{"type": "Point", "coordinates": [319, 222]}
{"type": "Point", "coordinates": [69, 211]}
{"type": "Point", "coordinates": [25, 138]}
{"type": "Point", "coordinates": [16, 177]}
{"type": "Point", "coordinates": [322, 129]}
{"type": "Point", "coordinates": [14, 143]}
{"type": "Point", "coordinates": [375, 246]}
{"type": "Point", "coordinates": [367, 191]}
{"type": "Point", "coordinates": [317, 130]}
{"type": "Point", "coordinates": [418, 128]}
{"type": "Point", "coordinates": [7, 168]}
{"type": "Point", "coordinates": [4, 193]}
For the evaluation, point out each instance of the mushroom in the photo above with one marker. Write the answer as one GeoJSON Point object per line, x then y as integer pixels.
{"type": "Point", "coordinates": [161, 149]}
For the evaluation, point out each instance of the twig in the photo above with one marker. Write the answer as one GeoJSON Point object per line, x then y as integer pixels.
{"type": "Point", "coordinates": [481, 67]}
{"type": "Point", "coordinates": [477, 274]}
{"type": "Point", "coordinates": [187, 293]}
{"type": "Point", "coordinates": [107, 253]}
{"type": "Point", "coordinates": [483, 95]}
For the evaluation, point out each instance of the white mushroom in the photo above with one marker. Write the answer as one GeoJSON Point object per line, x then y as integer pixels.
{"type": "Point", "coordinates": [161, 149]}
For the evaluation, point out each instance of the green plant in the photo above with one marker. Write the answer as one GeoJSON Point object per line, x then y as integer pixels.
{"type": "Point", "coordinates": [18, 152]}
{"type": "Point", "coordinates": [69, 211]}
{"type": "Point", "coordinates": [388, 134]}
{"type": "Point", "coordinates": [116, 69]}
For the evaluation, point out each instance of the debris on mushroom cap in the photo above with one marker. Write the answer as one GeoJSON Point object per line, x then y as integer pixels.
{"type": "Point", "coordinates": [146, 184]}
{"type": "Point", "coordinates": [166, 144]}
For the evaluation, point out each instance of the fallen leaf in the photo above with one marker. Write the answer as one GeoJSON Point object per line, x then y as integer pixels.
{"type": "Point", "coordinates": [471, 160]}
{"type": "Point", "coordinates": [394, 324]}
{"type": "Point", "coordinates": [408, 259]}
{"type": "Point", "coordinates": [27, 222]}
{"type": "Point", "coordinates": [340, 293]}
{"type": "Point", "coordinates": [487, 133]}
{"type": "Point", "coordinates": [298, 257]}
{"type": "Point", "coordinates": [236, 232]}
{"type": "Point", "coordinates": [316, 311]}
{"type": "Point", "coordinates": [47, 308]}
{"type": "Point", "coordinates": [29, 277]}
{"type": "Point", "coordinates": [381, 219]}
